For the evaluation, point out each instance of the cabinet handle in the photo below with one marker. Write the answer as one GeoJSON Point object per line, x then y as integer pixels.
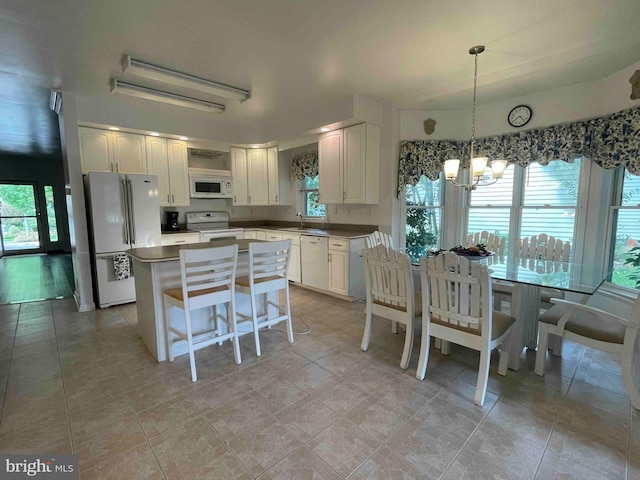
{"type": "Point", "coordinates": [181, 241]}
{"type": "Point", "coordinates": [249, 198]}
{"type": "Point", "coordinates": [336, 245]}
{"type": "Point", "coordinates": [112, 167]}
{"type": "Point", "coordinates": [276, 198]}
{"type": "Point", "coordinates": [344, 195]}
{"type": "Point", "coordinates": [173, 198]}
{"type": "Point", "coordinates": [117, 167]}
{"type": "Point", "coordinates": [234, 199]}
{"type": "Point", "coordinates": [168, 201]}
{"type": "Point", "coordinates": [328, 257]}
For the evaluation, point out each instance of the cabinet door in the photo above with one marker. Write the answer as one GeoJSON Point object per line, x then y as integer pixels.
{"type": "Point", "coordinates": [273, 236]}
{"type": "Point", "coordinates": [178, 172]}
{"type": "Point", "coordinates": [251, 234]}
{"type": "Point", "coordinates": [330, 167]}
{"type": "Point", "coordinates": [339, 272]}
{"type": "Point", "coordinates": [272, 169]}
{"type": "Point", "coordinates": [258, 183]}
{"type": "Point", "coordinates": [157, 164]}
{"type": "Point", "coordinates": [239, 170]}
{"type": "Point", "coordinates": [354, 164]}
{"type": "Point", "coordinates": [295, 273]}
{"type": "Point", "coordinates": [96, 150]}
{"type": "Point", "coordinates": [129, 152]}
{"type": "Point", "coordinates": [261, 235]}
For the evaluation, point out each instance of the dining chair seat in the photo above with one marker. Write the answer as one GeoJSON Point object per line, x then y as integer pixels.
{"type": "Point", "coordinates": [595, 328]}
{"type": "Point", "coordinates": [417, 302]}
{"type": "Point", "coordinates": [501, 324]}
{"type": "Point", "coordinates": [586, 325]}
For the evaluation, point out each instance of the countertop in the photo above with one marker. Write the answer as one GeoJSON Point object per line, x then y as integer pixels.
{"type": "Point", "coordinates": [182, 230]}
{"type": "Point", "coordinates": [170, 253]}
{"type": "Point", "coordinates": [331, 232]}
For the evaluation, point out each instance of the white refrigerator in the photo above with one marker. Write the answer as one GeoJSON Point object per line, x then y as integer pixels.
{"type": "Point", "coordinates": [124, 213]}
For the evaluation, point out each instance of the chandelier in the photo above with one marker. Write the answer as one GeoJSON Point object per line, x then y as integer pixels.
{"type": "Point", "coordinates": [478, 174]}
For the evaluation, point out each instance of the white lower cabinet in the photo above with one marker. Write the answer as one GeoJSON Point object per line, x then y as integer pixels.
{"type": "Point", "coordinates": [295, 272]}
{"type": "Point", "coordinates": [250, 233]}
{"type": "Point", "coordinates": [179, 238]}
{"type": "Point", "coordinates": [339, 265]}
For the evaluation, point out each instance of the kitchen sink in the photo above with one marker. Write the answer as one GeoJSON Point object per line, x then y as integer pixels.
{"type": "Point", "coordinates": [312, 231]}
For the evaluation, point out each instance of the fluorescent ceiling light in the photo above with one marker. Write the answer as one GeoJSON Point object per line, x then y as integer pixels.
{"type": "Point", "coordinates": [154, 134]}
{"type": "Point", "coordinates": [153, 72]}
{"type": "Point", "coordinates": [183, 138]}
{"type": "Point", "coordinates": [115, 129]}
{"type": "Point", "coordinates": [118, 86]}
{"type": "Point", "coordinates": [324, 129]}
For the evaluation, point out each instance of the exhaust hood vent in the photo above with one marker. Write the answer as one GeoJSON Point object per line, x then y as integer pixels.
{"type": "Point", "coordinates": [208, 154]}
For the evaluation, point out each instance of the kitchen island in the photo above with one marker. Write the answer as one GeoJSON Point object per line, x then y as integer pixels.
{"type": "Point", "coordinates": [158, 268]}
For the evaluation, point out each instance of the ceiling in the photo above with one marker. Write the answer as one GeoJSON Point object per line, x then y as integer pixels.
{"type": "Point", "coordinates": [297, 56]}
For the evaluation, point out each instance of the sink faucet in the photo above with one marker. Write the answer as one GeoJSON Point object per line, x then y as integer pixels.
{"type": "Point", "coordinates": [301, 220]}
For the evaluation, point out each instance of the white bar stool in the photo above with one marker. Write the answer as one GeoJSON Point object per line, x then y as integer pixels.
{"type": "Point", "coordinates": [268, 272]}
{"type": "Point", "coordinates": [208, 280]}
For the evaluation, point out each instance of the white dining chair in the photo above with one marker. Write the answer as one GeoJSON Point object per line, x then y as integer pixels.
{"type": "Point", "coordinates": [594, 328]}
{"type": "Point", "coordinates": [391, 294]}
{"type": "Point", "coordinates": [379, 238]}
{"type": "Point", "coordinates": [208, 278]}
{"type": "Point", "coordinates": [493, 242]}
{"type": "Point", "coordinates": [457, 307]}
{"type": "Point", "coordinates": [528, 252]}
{"type": "Point", "coordinates": [268, 273]}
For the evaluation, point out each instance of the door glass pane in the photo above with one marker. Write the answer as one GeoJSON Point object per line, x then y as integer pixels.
{"type": "Point", "coordinates": [18, 217]}
{"type": "Point", "coordinates": [51, 214]}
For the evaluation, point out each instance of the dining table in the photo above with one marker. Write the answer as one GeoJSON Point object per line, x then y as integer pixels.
{"type": "Point", "coordinates": [526, 277]}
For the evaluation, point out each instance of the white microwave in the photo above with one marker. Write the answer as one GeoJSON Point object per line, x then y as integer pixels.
{"type": "Point", "coordinates": [205, 183]}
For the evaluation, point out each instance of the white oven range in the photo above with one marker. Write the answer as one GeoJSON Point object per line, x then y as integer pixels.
{"type": "Point", "coordinates": [212, 225]}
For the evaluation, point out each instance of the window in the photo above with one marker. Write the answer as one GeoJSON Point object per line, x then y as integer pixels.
{"type": "Point", "coordinates": [626, 233]}
{"type": "Point", "coordinates": [51, 214]}
{"type": "Point", "coordinates": [424, 216]}
{"type": "Point", "coordinates": [310, 196]}
{"type": "Point", "coordinates": [529, 201]}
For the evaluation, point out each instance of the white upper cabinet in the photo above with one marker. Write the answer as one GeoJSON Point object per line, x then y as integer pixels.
{"type": "Point", "coordinates": [258, 178]}
{"type": "Point", "coordinates": [330, 152]}
{"type": "Point", "coordinates": [349, 165]}
{"type": "Point", "coordinates": [106, 151]}
{"type": "Point", "coordinates": [280, 189]}
{"type": "Point", "coordinates": [96, 150]}
{"type": "Point", "coordinates": [239, 171]}
{"type": "Point", "coordinates": [272, 169]}
{"type": "Point", "coordinates": [178, 172]}
{"type": "Point", "coordinates": [129, 152]}
{"type": "Point", "coordinates": [167, 158]}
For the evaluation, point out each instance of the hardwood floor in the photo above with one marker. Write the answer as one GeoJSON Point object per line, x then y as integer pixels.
{"type": "Point", "coordinates": [26, 278]}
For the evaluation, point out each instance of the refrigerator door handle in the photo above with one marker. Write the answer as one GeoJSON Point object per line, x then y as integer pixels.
{"type": "Point", "coordinates": [131, 222]}
{"type": "Point", "coordinates": [125, 206]}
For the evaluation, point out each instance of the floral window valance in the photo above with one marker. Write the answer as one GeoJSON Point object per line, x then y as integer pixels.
{"type": "Point", "coordinates": [304, 165]}
{"type": "Point", "coordinates": [610, 141]}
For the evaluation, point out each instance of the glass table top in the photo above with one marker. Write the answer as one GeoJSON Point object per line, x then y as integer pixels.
{"type": "Point", "coordinates": [573, 277]}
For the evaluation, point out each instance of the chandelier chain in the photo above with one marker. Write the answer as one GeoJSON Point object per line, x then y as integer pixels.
{"type": "Point", "coordinates": [473, 115]}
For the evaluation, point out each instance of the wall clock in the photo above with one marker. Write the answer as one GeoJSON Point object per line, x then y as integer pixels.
{"type": "Point", "coordinates": [519, 116]}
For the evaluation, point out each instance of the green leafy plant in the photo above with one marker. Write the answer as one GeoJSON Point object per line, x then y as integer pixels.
{"type": "Point", "coordinates": [633, 259]}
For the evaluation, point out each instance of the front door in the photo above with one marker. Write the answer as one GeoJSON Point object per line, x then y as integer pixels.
{"type": "Point", "coordinates": [20, 221]}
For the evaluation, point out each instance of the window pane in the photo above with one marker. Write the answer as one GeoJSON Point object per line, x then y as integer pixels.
{"type": "Point", "coordinates": [17, 200]}
{"type": "Point", "coordinates": [493, 220]}
{"type": "Point", "coordinates": [500, 193]}
{"type": "Point", "coordinates": [554, 184]}
{"type": "Point", "coordinates": [557, 222]}
{"type": "Point", "coordinates": [425, 193]}
{"type": "Point", "coordinates": [631, 190]}
{"type": "Point", "coordinates": [51, 214]}
{"type": "Point", "coordinates": [423, 230]}
{"type": "Point", "coordinates": [313, 208]}
{"type": "Point", "coordinates": [312, 183]}
{"type": "Point", "coordinates": [627, 236]}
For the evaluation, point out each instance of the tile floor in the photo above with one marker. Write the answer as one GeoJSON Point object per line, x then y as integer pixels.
{"type": "Point", "coordinates": [317, 409]}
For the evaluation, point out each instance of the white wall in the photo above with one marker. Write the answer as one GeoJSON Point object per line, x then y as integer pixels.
{"type": "Point", "coordinates": [561, 105]}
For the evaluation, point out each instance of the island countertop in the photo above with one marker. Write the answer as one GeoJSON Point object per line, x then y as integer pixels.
{"type": "Point", "coordinates": [170, 253]}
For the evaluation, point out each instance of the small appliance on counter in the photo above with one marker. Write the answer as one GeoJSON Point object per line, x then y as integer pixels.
{"type": "Point", "coordinates": [172, 222]}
